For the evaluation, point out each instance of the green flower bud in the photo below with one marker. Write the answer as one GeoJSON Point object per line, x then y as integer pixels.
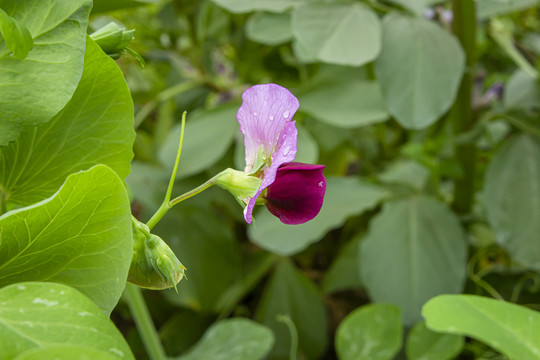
{"type": "Point", "coordinates": [240, 184]}
{"type": "Point", "coordinates": [112, 39]}
{"type": "Point", "coordinates": [153, 265]}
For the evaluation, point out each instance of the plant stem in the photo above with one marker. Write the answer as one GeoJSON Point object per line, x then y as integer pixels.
{"type": "Point", "coordinates": [286, 319]}
{"type": "Point", "coordinates": [462, 116]}
{"type": "Point", "coordinates": [3, 201]}
{"type": "Point", "coordinates": [144, 323]}
{"type": "Point", "coordinates": [195, 191]}
{"type": "Point", "coordinates": [164, 207]}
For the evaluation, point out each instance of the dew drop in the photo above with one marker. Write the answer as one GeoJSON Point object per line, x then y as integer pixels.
{"type": "Point", "coordinates": [321, 184]}
{"type": "Point", "coordinates": [271, 117]}
{"type": "Point", "coordinates": [286, 114]}
{"type": "Point", "coordinates": [255, 114]}
{"type": "Point", "coordinates": [286, 150]}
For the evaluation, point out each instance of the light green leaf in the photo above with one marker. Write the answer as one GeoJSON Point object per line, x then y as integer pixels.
{"type": "Point", "coordinates": [343, 273]}
{"type": "Point", "coordinates": [95, 127]}
{"type": "Point", "coordinates": [512, 198]}
{"type": "Point", "coordinates": [238, 339]}
{"type": "Point", "coordinates": [416, 6]}
{"type": "Point", "coordinates": [419, 69]}
{"type": "Point", "coordinates": [348, 104]}
{"type": "Point", "coordinates": [344, 197]}
{"type": "Point", "coordinates": [522, 91]}
{"type": "Point", "coordinates": [81, 237]}
{"type": "Point", "coordinates": [406, 172]}
{"type": "Point", "coordinates": [66, 352]}
{"type": "Point", "coordinates": [490, 8]}
{"type": "Point", "coordinates": [58, 29]}
{"type": "Point", "coordinates": [424, 344]}
{"type": "Point", "coordinates": [308, 150]}
{"type": "Point", "coordinates": [511, 329]}
{"type": "Point", "coordinates": [370, 332]}
{"type": "Point", "coordinates": [269, 29]}
{"type": "Point", "coordinates": [42, 315]}
{"type": "Point", "coordinates": [290, 293]}
{"type": "Point", "coordinates": [245, 6]}
{"type": "Point", "coordinates": [427, 241]}
{"type": "Point", "coordinates": [338, 34]}
{"type": "Point", "coordinates": [16, 36]}
{"type": "Point", "coordinates": [208, 135]}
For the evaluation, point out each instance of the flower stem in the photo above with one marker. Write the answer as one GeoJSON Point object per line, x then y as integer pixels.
{"type": "Point", "coordinates": [144, 323]}
{"type": "Point", "coordinates": [164, 207]}
{"type": "Point", "coordinates": [195, 191]}
{"type": "Point", "coordinates": [286, 319]}
{"type": "Point", "coordinates": [463, 118]}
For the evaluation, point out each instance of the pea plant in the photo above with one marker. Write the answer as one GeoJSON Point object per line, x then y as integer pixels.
{"type": "Point", "coordinates": [376, 167]}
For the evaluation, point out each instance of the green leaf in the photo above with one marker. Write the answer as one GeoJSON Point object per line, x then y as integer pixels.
{"type": "Point", "coordinates": [308, 150]}
{"type": "Point", "coordinates": [239, 339]}
{"type": "Point", "coordinates": [424, 344]}
{"type": "Point", "coordinates": [522, 91]}
{"type": "Point", "coordinates": [338, 34]}
{"type": "Point", "coordinates": [490, 8]}
{"type": "Point", "coordinates": [42, 315]}
{"type": "Point", "coordinates": [427, 241]}
{"type": "Point", "coordinates": [343, 273]}
{"type": "Point", "coordinates": [269, 29]}
{"type": "Point", "coordinates": [81, 237]}
{"type": "Point", "coordinates": [208, 134]}
{"type": "Point", "coordinates": [66, 352]}
{"type": "Point", "coordinates": [244, 6]}
{"type": "Point", "coordinates": [95, 127]}
{"type": "Point", "coordinates": [370, 332]}
{"type": "Point", "coordinates": [348, 104]}
{"type": "Point", "coordinates": [58, 29]}
{"type": "Point", "coordinates": [16, 36]}
{"type": "Point", "coordinates": [511, 329]}
{"type": "Point", "coordinates": [419, 69]}
{"type": "Point", "coordinates": [290, 293]}
{"type": "Point", "coordinates": [344, 197]}
{"type": "Point", "coordinates": [416, 6]}
{"type": "Point", "coordinates": [406, 172]}
{"type": "Point", "coordinates": [512, 198]}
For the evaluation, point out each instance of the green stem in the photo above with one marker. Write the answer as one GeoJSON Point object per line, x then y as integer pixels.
{"type": "Point", "coordinates": [286, 319]}
{"type": "Point", "coordinates": [195, 191]}
{"type": "Point", "coordinates": [164, 207]}
{"type": "Point", "coordinates": [144, 323]}
{"type": "Point", "coordinates": [462, 116]}
{"type": "Point", "coordinates": [3, 201]}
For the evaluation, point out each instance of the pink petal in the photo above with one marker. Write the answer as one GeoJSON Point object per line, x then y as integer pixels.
{"type": "Point", "coordinates": [297, 194]}
{"type": "Point", "coordinates": [265, 111]}
{"type": "Point", "coordinates": [284, 153]}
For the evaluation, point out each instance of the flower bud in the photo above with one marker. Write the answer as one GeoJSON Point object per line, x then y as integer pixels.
{"type": "Point", "coordinates": [112, 39]}
{"type": "Point", "coordinates": [153, 265]}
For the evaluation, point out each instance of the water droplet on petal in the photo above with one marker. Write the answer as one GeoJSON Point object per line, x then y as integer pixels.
{"type": "Point", "coordinates": [286, 114]}
{"type": "Point", "coordinates": [286, 150]}
{"type": "Point", "coordinates": [321, 184]}
{"type": "Point", "coordinates": [254, 114]}
{"type": "Point", "coordinates": [271, 117]}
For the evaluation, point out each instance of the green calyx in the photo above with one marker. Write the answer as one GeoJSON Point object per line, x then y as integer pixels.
{"type": "Point", "coordinates": [112, 39]}
{"type": "Point", "coordinates": [241, 185]}
{"type": "Point", "coordinates": [153, 265]}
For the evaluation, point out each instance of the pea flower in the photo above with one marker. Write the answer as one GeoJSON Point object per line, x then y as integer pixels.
{"type": "Point", "coordinates": [294, 192]}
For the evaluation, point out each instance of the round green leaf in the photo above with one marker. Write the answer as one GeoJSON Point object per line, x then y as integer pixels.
{"type": "Point", "coordinates": [95, 127]}
{"type": "Point", "coordinates": [58, 30]}
{"type": "Point", "coordinates": [343, 273]}
{"type": "Point", "coordinates": [427, 241]}
{"type": "Point", "coordinates": [522, 92]}
{"type": "Point", "coordinates": [489, 8]}
{"type": "Point", "coordinates": [348, 34]}
{"type": "Point", "coordinates": [81, 236]}
{"type": "Point", "coordinates": [370, 332]}
{"type": "Point", "coordinates": [42, 315]}
{"type": "Point", "coordinates": [269, 29]}
{"type": "Point", "coordinates": [344, 197]}
{"type": "Point", "coordinates": [419, 69]}
{"type": "Point", "coordinates": [290, 293]}
{"type": "Point", "coordinates": [208, 134]}
{"type": "Point", "coordinates": [424, 344]}
{"type": "Point", "coordinates": [66, 352]}
{"type": "Point", "coordinates": [511, 329]}
{"type": "Point", "coordinates": [239, 339]}
{"type": "Point", "coordinates": [347, 104]}
{"type": "Point", "coordinates": [244, 6]}
{"type": "Point", "coordinates": [512, 198]}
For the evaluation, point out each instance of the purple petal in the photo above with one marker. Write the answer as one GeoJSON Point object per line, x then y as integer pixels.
{"type": "Point", "coordinates": [297, 194]}
{"type": "Point", "coordinates": [285, 152]}
{"type": "Point", "coordinates": [264, 112]}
